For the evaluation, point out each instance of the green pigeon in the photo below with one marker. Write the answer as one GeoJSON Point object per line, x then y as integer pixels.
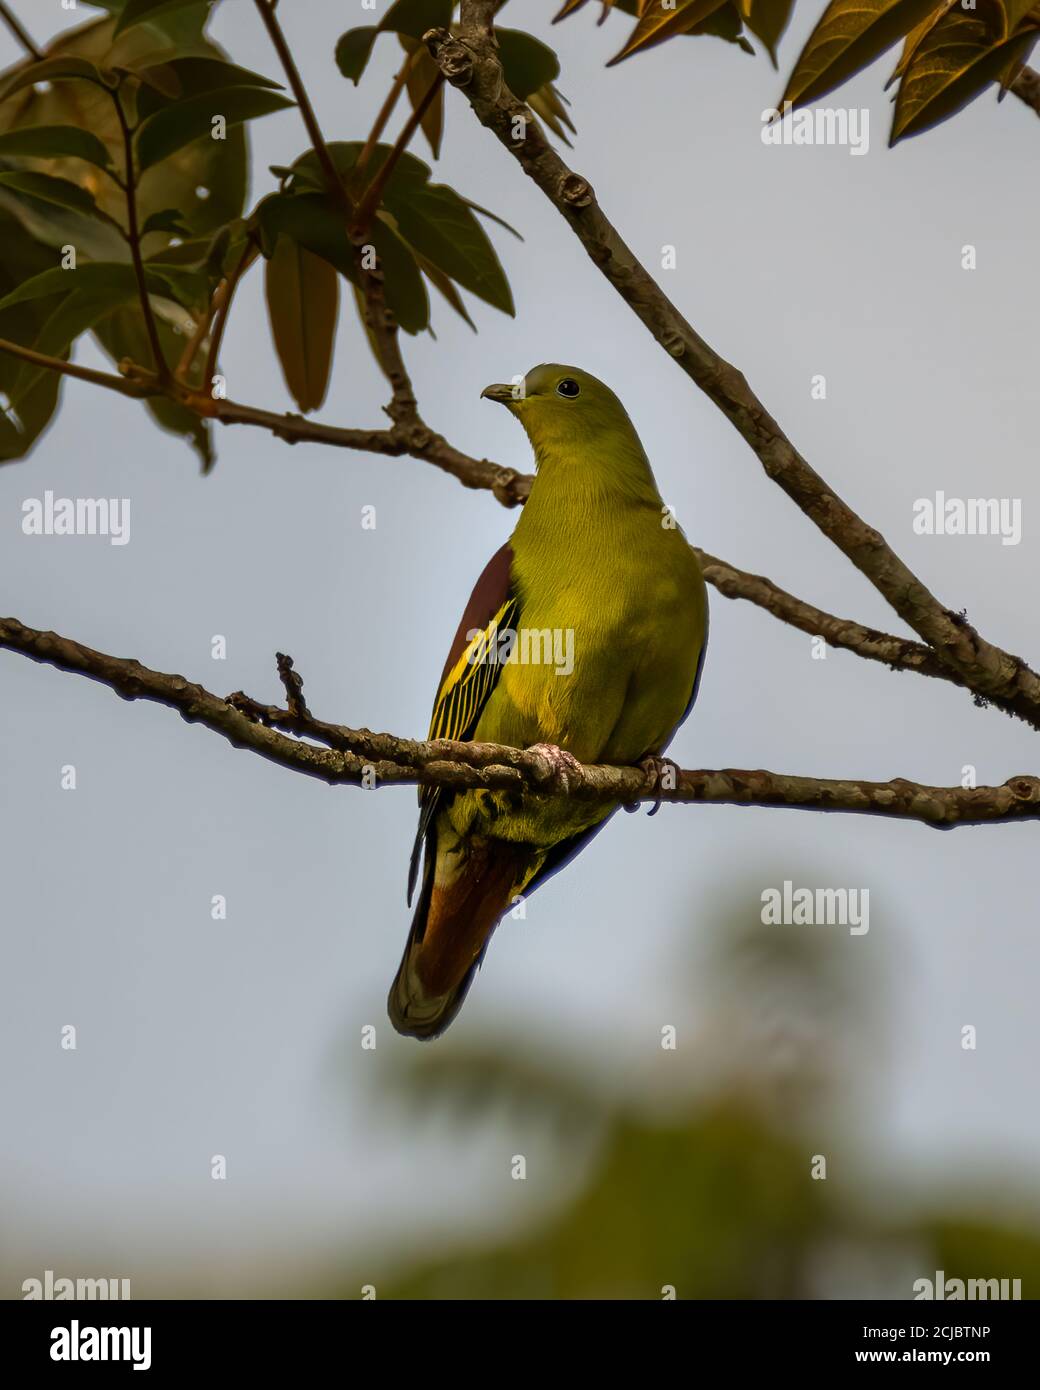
{"type": "Point", "coordinates": [584, 637]}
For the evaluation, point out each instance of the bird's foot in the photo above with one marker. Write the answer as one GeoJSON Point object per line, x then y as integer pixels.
{"type": "Point", "coordinates": [663, 775]}
{"type": "Point", "coordinates": [564, 766]}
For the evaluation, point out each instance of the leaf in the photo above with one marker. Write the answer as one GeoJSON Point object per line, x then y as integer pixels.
{"type": "Point", "coordinates": [170, 129]}
{"type": "Point", "coordinates": [192, 76]}
{"type": "Point", "coordinates": [767, 20]}
{"type": "Point", "coordinates": [165, 220]}
{"type": "Point", "coordinates": [527, 63]}
{"type": "Point", "coordinates": [112, 278]}
{"type": "Point", "coordinates": [440, 226]}
{"type": "Point", "coordinates": [206, 181]}
{"type": "Point", "coordinates": [303, 305]}
{"type": "Point", "coordinates": [54, 142]}
{"type": "Point", "coordinates": [57, 69]}
{"type": "Point", "coordinates": [353, 51]}
{"type": "Point", "coordinates": [655, 25]}
{"type": "Point", "coordinates": [1015, 12]}
{"type": "Point", "coordinates": [548, 104]}
{"type": "Point", "coordinates": [312, 221]}
{"type": "Point", "coordinates": [849, 36]}
{"type": "Point", "coordinates": [409, 18]}
{"type": "Point", "coordinates": [913, 39]}
{"type": "Point", "coordinates": [61, 192]}
{"type": "Point", "coordinates": [953, 64]}
{"type": "Point", "coordinates": [414, 17]}
{"type": "Point", "coordinates": [446, 286]}
{"type": "Point", "coordinates": [23, 258]}
{"type": "Point", "coordinates": [75, 314]}
{"type": "Point", "coordinates": [121, 333]}
{"type": "Point", "coordinates": [142, 11]}
{"type": "Point", "coordinates": [432, 218]}
{"type": "Point", "coordinates": [421, 75]}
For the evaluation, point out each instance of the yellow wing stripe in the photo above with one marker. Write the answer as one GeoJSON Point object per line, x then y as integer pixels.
{"type": "Point", "coordinates": [470, 681]}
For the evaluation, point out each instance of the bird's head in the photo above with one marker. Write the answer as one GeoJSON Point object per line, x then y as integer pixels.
{"type": "Point", "coordinates": [562, 408]}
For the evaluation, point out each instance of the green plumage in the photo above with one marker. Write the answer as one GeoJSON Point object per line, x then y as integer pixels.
{"type": "Point", "coordinates": [604, 577]}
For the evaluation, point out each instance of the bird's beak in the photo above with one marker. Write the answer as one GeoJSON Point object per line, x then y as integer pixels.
{"type": "Point", "coordinates": [505, 395]}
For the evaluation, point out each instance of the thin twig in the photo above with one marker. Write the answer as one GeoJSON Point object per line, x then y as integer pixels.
{"type": "Point", "coordinates": [134, 239]}
{"type": "Point", "coordinates": [385, 112]}
{"type": "Point", "coordinates": [373, 195]}
{"type": "Point", "coordinates": [303, 101]}
{"type": "Point", "coordinates": [20, 32]}
{"type": "Point", "coordinates": [221, 312]}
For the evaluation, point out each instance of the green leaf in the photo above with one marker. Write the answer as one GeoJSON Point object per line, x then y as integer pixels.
{"type": "Point", "coordinates": [142, 11]}
{"type": "Point", "coordinates": [121, 333]}
{"type": "Point", "coordinates": [414, 17]}
{"type": "Point", "coordinates": [353, 51]}
{"type": "Point", "coordinates": [165, 220]}
{"type": "Point", "coordinates": [432, 218]}
{"type": "Point", "coordinates": [527, 62]}
{"type": "Point", "coordinates": [302, 292]}
{"type": "Point", "coordinates": [170, 129]}
{"type": "Point", "coordinates": [849, 36]}
{"type": "Point", "coordinates": [75, 314]}
{"type": "Point", "coordinates": [54, 70]}
{"type": "Point", "coordinates": [955, 61]}
{"type": "Point", "coordinates": [440, 226]}
{"type": "Point", "coordinates": [207, 180]}
{"type": "Point", "coordinates": [61, 192]}
{"type": "Point", "coordinates": [22, 258]}
{"type": "Point", "coordinates": [408, 17]}
{"type": "Point", "coordinates": [312, 221]}
{"type": "Point", "coordinates": [55, 142]}
{"type": "Point", "coordinates": [181, 77]}
{"type": "Point", "coordinates": [446, 287]}
{"type": "Point", "coordinates": [110, 277]}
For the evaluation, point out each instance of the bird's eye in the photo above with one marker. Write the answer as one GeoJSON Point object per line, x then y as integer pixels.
{"type": "Point", "coordinates": [568, 387]}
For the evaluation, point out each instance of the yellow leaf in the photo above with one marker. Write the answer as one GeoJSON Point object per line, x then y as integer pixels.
{"type": "Point", "coordinates": [657, 24]}
{"type": "Point", "coordinates": [954, 62]}
{"type": "Point", "coordinates": [849, 36]}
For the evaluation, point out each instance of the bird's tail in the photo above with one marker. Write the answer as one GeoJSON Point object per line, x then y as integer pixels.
{"type": "Point", "coordinates": [464, 896]}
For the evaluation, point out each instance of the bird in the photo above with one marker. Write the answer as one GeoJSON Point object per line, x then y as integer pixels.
{"type": "Point", "coordinates": [597, 566]}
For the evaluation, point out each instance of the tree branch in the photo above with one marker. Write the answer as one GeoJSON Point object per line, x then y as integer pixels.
{"type": "Point", "coordinates": [358, 756]}
{"type": "Point", "coordinates": [470, 62]}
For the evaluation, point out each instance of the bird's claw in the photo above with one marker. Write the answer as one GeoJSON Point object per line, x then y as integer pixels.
{"type": "Point", "coordinates": [661, 773]}
{"type": "Point", "coordinates": [564, 765]}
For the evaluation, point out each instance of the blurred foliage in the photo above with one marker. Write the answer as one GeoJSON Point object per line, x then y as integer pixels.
{"type": "Point", "coordinates": [698, 1168]}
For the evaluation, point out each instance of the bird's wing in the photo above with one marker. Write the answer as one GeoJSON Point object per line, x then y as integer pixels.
{"type": "Point", "coordinates": [467, 681]}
